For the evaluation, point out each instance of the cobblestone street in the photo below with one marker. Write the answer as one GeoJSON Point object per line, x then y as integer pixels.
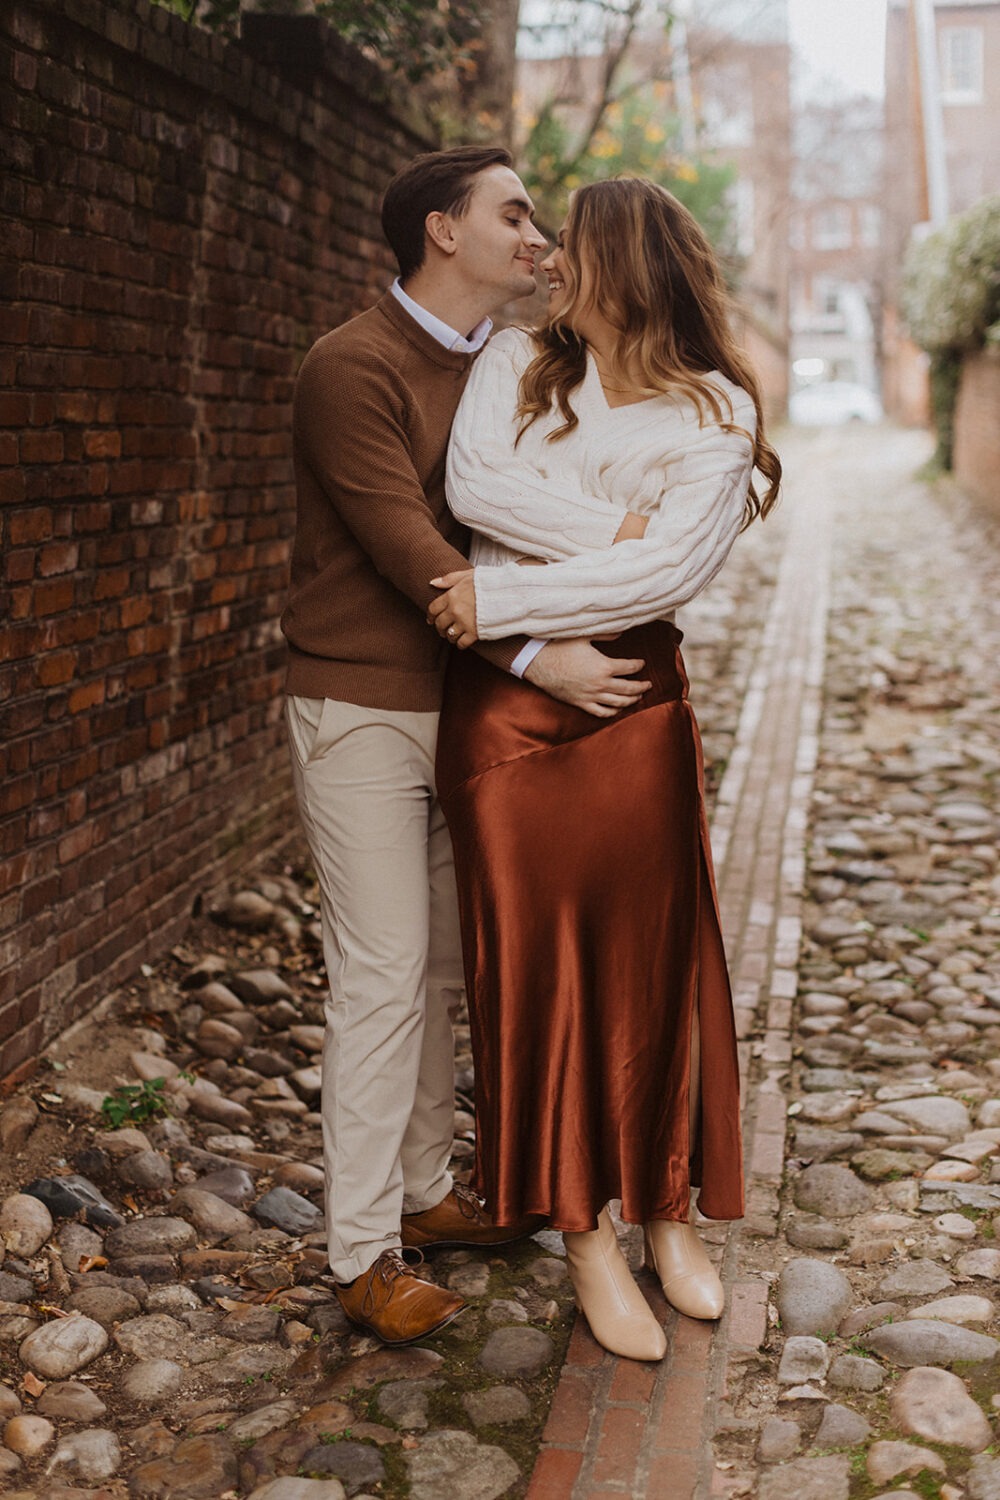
{"type": "Point", "coordinates": [846, 670]}
{"type": "Point", "coordinates": [855, 1359]}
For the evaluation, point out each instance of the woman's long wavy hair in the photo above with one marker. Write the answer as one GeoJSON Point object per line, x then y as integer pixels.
{"type": "Point", "coordinates": [654, 276]}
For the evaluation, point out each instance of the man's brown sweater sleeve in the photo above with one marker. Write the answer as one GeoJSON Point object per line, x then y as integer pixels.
{"type": "Point", "coordinates": [354, 442]}
{"type": "Point", "coordinates": [349, 428]}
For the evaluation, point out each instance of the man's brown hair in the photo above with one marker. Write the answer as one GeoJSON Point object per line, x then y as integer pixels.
{"type": "Point", "coordinates": [437, 182]}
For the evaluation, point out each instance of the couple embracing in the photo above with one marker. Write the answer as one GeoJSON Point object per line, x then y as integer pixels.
{"type": "Point", "coordinates": [488, 719]}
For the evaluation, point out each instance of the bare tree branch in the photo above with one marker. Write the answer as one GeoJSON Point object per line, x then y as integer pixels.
{"type": "Point", "coordinates": [614, 55]}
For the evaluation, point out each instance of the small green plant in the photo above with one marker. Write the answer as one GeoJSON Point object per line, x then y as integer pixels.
{"type": "Point", "coordinates": [133, 1103]}
{"type": "Point", "coordinates": [335, 1437]}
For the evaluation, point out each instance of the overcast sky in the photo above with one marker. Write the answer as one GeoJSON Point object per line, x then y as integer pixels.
{"type": "Point", "coordinates": [840, 43]}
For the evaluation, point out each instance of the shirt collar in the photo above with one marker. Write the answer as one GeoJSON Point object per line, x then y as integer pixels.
{"type": "Point", "coordinates": [439, 330]}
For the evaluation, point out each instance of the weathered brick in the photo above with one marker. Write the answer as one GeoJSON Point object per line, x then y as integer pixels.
{"type": "Point", "coordinates": [151, 505]}
{"type": "Point", "coordinates": [555, 1474]}
{"type": "Point", "coordinates": [41, 447]}
{"type": "Point", "coordinates": [60, 557]}
{"type": "Point", "coordinates": [570, 1413]}
{"type": "Point", "coordinates": [618, 1444]}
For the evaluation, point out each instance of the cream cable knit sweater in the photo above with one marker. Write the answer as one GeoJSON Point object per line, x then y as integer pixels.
{"type": "Point", "coordinates": [564, 501]}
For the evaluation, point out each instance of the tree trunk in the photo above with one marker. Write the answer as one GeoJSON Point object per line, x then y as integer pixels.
{"type": "Point", "coordinates": [487, 94]}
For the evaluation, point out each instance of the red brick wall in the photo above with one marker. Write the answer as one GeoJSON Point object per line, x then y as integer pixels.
{"type": "Point", "coordinates": [181, 219]}
{"type": "Point", "coordinates": [976, 462]}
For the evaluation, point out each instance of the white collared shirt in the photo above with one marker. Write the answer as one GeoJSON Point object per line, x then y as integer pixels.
{"type": "Point", "coordinates": [458, 342]}
{"type": "Point", "coordinates": [462, 345]}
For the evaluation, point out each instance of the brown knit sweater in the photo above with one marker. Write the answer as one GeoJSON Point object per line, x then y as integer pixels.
{"type": "Point", "coordinates": [373, 408]}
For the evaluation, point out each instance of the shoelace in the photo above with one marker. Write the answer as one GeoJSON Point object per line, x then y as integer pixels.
{"type": "Point", "coordinates": [468, 1203]}
{"type": "Point", "coordinates": [389, 1266]}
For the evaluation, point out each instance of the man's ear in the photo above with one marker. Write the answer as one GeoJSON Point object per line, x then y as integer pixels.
{"type": "Point", "coordinates": [440, 230]}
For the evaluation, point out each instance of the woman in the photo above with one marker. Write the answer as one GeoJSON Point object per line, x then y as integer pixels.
{"type": "Point", "coordinates": [616, 445]}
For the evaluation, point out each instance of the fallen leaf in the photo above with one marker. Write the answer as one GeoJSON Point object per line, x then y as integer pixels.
{"type": "Point", "coordinates": [130, 1202]}
{"type": "Point", "coordinates": [52, 1310]}
{"type": "Point", "coordinates": [32, 1386]}
{"type": "Point", "coordinates": [92, 1262]}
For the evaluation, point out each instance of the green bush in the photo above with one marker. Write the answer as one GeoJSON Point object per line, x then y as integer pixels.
{"type": "Point", "coordinates": [951, 281]}
{"type": "Point", "coordinates": [951, 302]}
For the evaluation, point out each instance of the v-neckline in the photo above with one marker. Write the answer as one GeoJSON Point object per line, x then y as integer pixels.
{"type": "Point", "coordinates": [623, 405]}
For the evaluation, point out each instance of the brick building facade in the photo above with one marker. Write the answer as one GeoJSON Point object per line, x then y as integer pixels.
{"type": "Point", "coordinates": [976, 460]}
{"type": "Point", "coordinates": [968, 64]}
{"type": "Point", "coordinates": [182, 216]}
{"type": "Point", "coordinates": [836, 239]}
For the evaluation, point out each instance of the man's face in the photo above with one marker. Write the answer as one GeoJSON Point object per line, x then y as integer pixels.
{"type": "Point", "coordinates": [495, 238]}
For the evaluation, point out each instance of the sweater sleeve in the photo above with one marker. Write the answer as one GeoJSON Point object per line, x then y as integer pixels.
{"type": "Point", "coordinates": [349, 427]}
{"type": "Point", "coordinates": [497, 492]}
{"type": "Point", "coordinates": [689, 536]}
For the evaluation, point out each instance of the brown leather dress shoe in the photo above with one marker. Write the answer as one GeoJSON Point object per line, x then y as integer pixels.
{"type": "Point", "coordinates": [461, 1219]}
{"type": "Point", "coordinates": [391, 1302]}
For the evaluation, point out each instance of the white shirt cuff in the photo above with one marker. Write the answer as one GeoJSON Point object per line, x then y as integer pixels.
{"type": "Point", "coordinates": [522, 661]}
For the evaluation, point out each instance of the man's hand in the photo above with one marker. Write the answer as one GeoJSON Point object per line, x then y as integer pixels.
{"type": "Point", "coordinates": [453, 614]}
{"type": "Point", "coordinates": [576, 672]}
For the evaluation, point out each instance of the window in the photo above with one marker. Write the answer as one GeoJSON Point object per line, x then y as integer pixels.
{"type": "Point", "coordinates": [961, 64]}
{"type": "Point", "coordinates": [826, 297]}
{"type": "Point", "coordinates": [727, 107]}
{"type": "Point", "coordinates": [871, 224]}
{"type": "Point", "coordinates": [832, 227]}
{"type": "Point", "coordinates": [741, 199]}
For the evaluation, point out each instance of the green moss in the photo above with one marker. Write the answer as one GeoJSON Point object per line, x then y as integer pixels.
{"type": "Point", "coordinates": [460, 1344]}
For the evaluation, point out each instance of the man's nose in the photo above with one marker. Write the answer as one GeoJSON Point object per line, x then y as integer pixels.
{"type": "Point", "coordinates": [535, 240]}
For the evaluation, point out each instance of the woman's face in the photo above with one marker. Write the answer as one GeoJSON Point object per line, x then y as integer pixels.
{"type": "Point", "coordinates": [556, 266]}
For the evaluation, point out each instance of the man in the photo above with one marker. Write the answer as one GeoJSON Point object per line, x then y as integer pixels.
{"type": "Point", "coordinates": [373, 407]}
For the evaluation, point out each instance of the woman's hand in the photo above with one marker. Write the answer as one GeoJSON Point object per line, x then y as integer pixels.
{"type": "Point", "coordinates": [453, 615]}
{"type": "Point", "coordinates": [633, 527]}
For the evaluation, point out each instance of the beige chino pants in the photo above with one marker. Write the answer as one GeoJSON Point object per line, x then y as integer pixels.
{"type": "Point", "coordinates": [364, 780]}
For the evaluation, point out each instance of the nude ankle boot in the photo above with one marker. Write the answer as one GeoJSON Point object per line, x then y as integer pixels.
{"type": "Point", "coordinates": [620, 1318]}
{"type": "Point", "coordinates": [689, 1280]}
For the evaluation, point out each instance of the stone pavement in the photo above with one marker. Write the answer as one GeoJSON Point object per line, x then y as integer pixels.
{"type": "Point", "coordinates": [170, 1331]}
{"type": "Point", "coordinates": [855, 841]}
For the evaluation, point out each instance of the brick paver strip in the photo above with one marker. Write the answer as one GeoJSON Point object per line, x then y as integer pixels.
{"type": "Point", "coordinates": [646, 1431]}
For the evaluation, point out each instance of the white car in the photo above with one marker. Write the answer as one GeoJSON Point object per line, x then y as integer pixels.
{"type": "Point", "coordinates": [832, 403]}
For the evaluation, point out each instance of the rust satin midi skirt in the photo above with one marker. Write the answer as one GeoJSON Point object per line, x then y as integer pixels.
{"type": "Point", "coordinates": [590, 933]}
